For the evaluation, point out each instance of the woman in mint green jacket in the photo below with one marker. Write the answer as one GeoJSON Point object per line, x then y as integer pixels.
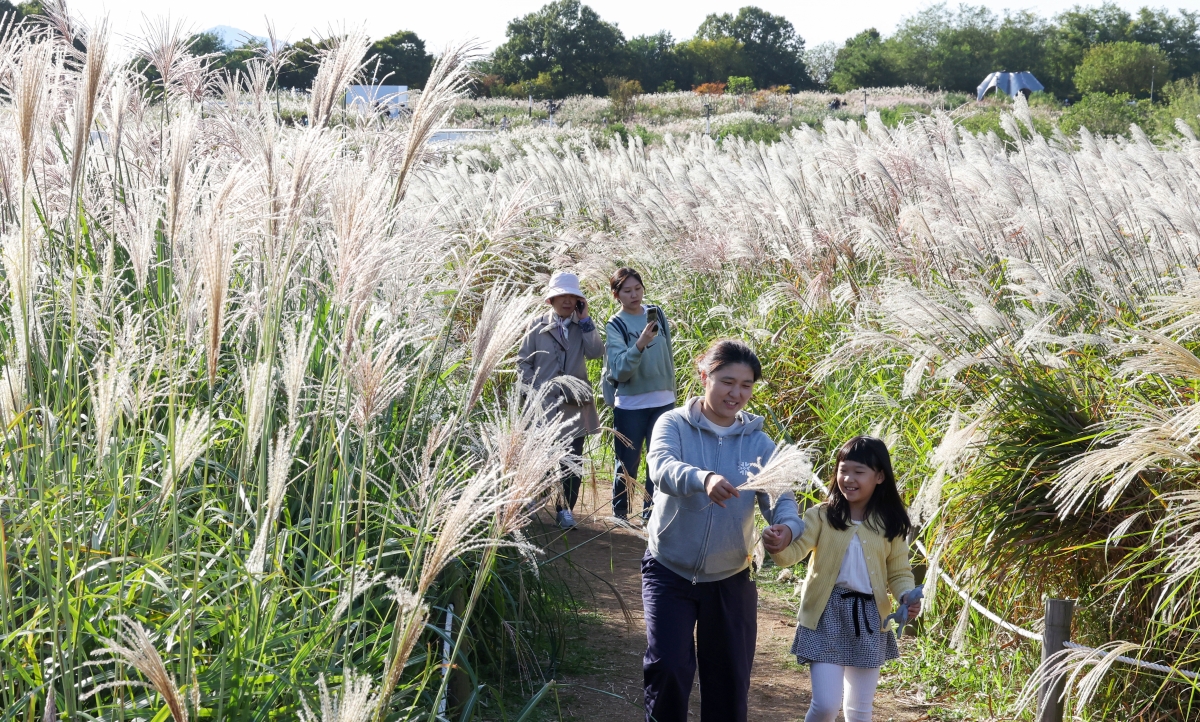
{"type": "Point", "coordinates": [641, 366]}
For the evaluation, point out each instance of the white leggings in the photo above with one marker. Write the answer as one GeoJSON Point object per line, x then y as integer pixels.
{"type": "Point", "coordinates": [830, 682]}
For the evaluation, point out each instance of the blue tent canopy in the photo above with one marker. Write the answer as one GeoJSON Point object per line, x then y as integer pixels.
{"type": "Point", "coordinates": [1009, 83]}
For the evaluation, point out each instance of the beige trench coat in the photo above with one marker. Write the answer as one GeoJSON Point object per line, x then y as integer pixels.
{"type": "Point", "coordinates": [544, 356]}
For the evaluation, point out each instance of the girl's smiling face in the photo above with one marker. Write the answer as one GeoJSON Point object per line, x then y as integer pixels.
{"type": "Point", "coordinates": [857, 483]}
{"type": "Point", "coordinates": [726, 392]}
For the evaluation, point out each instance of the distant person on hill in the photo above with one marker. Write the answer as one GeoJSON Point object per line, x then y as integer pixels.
{"type": "Point", "coordinates": [559, 343]}
{"type": "Point", "coordinates": [640, 382]}
{"type": "Point", "coordinates": [699, 599]}
{"type": "Point", "coordinates": [858, 541]}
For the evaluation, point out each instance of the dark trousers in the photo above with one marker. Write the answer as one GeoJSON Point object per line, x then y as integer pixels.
{"type": "Point", "coordinates": [637, 426]}
{"type": "Point", "coordinates": [571, 480]}
{"type": "Point", "coordinates": [723, 619]}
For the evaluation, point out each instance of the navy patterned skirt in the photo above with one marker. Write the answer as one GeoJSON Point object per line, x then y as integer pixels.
{"type": "Point", "coordinates": [848, 634]}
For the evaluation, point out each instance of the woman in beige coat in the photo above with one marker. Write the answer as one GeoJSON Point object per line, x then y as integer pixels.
{"type": "Point", "coordinates": [559, 343]}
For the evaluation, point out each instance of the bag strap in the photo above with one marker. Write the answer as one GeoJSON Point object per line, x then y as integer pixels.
{"type": "Point", "coordinates": [662, 319]}
{"type": "Point", "coordinates": [620, 324]}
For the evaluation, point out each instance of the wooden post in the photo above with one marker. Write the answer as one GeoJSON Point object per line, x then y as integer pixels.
{"type": "Point", "coordinates": [1057, 631]}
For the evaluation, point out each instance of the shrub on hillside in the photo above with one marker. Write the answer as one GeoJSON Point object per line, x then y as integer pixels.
{"type": "Point", "coordinates": [623, 94]}
{"type": "Point", "coordinates": [751, 129]}
{"type": "Point", "coordinates": [1183, 103]}
{"type": "Point", "coordinates": [1104, 114]}
{"type": "Point", "coordinates": [739, 85]}
{"type": "Point", "coordinates": [710, 89]}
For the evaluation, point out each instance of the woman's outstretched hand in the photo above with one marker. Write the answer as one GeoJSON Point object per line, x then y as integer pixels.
{"type": "Point", "coordinates": [914, 608]}
{"type": "Point", "coordinates": [777, 537]}
{"type": "Point", "coordinates": [719, 489]}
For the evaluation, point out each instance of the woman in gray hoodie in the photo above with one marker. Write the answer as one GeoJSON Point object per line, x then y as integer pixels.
{"type": "Point", "coordinates": [700, 602]}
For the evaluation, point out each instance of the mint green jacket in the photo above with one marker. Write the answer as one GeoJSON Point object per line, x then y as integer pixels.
{"type": "Point", "coordinates": [639, 372]}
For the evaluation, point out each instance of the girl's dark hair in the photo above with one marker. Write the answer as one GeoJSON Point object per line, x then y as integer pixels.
{"type": "Point", "coordinates": [727, 351]}
{"type": "Point", "coordinates": [885, 509]}
{"type": "Point", "coordinates": [622, 275]}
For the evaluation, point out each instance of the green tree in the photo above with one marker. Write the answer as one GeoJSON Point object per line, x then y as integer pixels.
{"type": "Point", "coordinates": [711, 61]}
{"type": "Point", "coordinates": [1177, 36]}
{"type": "Point", "coordinates": [1021, 44]}
{"type": "Point", "coordinates": [1075, 32]}
{"type": "Point", "coordinates": [566, 40]}
{"type": "Point", "coordinates": [773, 50]}
{"type": "Point", "coordinates": [402, 59]}
{"type": "Point", "coordinates": [863, 62]}
{"type": "Point", "coordinates": [1122, 68]}
{"type": "Point", "coordinates": [654, 61]}
{"type": "Point", "coordinates": [940, 48]}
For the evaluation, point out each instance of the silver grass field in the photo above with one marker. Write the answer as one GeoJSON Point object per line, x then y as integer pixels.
{"type": "Point", "coordinates": [261, 423]}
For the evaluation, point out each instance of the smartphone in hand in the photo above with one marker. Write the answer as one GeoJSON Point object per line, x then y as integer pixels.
{"type": "Point", "coordinates": [579, 306]}
{"type": "Point", "coordinates": [652, 318]}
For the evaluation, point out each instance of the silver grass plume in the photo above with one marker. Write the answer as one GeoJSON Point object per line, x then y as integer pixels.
{"type": "Point", "coordinates": [94, 77]}
{"type": "Point", "coordinates": [1181, 526]}
{"type": "Point", "coordinates": [458, 521]}
{"type": "Point", "coordinates": [112, 387]}
{"type": "Point", "coordinates": [500, 326]}
{"type": "Point", "coordinates": [182, 137]}
{"type": "Point", "coordinates": [258, 386]}
{"type": "Point", "coordinates": [12, 395]}
{"type": "Point", "coordinates": [120, 93]}
{"type": "Point", "coordinates": [191, 439]}
{"type": "Point", "coordinates": [216, 266]}
{"type": "Point", "coordinates": [527, 447]}
{"type": "Point", "coordinates": [359, 581]}
{"type": "Point", "coordinates": [447, 83]}
{"type": "Point", "coordinates": [279, 465]}
{"type": "Point", "coordinates": [789, 468]}
{"type": "Point", "coordinates": [341, 63]}
{"type": "Point", "coordinates": [356, 703]}
{"type": "Point", "coordinates": [257, 81]}
{"type": "Point", "coordinates": [50, 711]}
{"type": "Point", "coordinates": [957, 443]}
{"type": "Point", "coordinates": [30, 98]}
{"type": "Point", "coordinates": [165, 46]}
{"type": "Point", "coordinates": [139, 236]}
{"type": "Point", "coordinates": [1083, 671]}
{"type": "Point", "coordinates": [411, 615]}
{"type": "Point", "coordinates": [297, 348]}
{"type": "Point", "coordinates": [376, 376]}
{"type": "Point", "coordinates": [21, 270]}
{"type": "Point", "coordinates": [132, 646]}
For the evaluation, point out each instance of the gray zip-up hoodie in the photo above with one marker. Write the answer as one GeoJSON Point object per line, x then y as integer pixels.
{"type": "Point", "coordinates": [689, 535]}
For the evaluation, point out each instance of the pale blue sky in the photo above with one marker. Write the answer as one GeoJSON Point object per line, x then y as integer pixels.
{"type": "Point", "coordinates": [450, 20]}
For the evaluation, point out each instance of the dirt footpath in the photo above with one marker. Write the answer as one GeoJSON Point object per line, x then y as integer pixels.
{"type": "Point", "coordinates": [607, 650]}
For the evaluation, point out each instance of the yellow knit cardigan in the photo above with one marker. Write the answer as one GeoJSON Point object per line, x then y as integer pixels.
{"type": "Point", "coordinates": [887, 562]}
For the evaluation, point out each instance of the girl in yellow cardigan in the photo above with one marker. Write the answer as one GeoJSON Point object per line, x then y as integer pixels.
{"type": "Point", "coordinates": [857, 539]}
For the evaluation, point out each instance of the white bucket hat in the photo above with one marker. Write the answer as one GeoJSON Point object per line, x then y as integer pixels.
{"type": "Point", "coordinates": [563, 284]}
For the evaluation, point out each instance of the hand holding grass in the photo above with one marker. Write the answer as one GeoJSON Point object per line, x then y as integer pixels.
{"type": "Point", "coordinates": [719, 489]}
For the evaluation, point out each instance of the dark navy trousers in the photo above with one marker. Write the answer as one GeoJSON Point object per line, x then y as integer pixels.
{"type": "Point", "coordinates": [637, 426]}
{"type": "Point", "coordinates": [713, 623]}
